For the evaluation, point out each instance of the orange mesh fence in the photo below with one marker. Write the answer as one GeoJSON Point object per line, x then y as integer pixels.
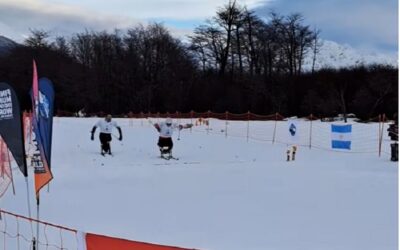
{"type": "Point", "coordinates": [313, 131]}
{"type": "Point", "coordinates": [16, 232]}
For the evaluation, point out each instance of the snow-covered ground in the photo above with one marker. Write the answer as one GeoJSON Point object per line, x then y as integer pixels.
{"type": "Point", "coordinates": [224, 193]}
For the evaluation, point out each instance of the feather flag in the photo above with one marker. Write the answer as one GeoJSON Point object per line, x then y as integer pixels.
{"type": "Point", "coordinates": [11, 125]}
{"type": "Point", "coordinates": [42, 104]}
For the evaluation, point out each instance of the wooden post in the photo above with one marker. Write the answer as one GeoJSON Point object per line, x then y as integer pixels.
{"type": "Point", "coordinates": [311, 119]}
{"type": "Point", "coordinates": [248, 125]}
{"type": "Point", "coordinates": [191, 120]}
{"type": "Point", "coordinates": [383, 118]}
{"type": "Point", "coordinates": [226, 124]}
{"type": "Point", "coordinates": [274, 135]}
{"type": "Point", "coordinates": [379, 134]}
{"type": "Point", "coordinates": [208, 121]}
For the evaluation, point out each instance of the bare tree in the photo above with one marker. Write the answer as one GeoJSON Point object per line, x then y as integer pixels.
{"type": "Point", "coordinates": [316, 46]}
{"type": "Point", "coordinates": [37, 39]}
{"type": "Point", "coordinates": [82, 48]}
{"type": "Point", "coordinates": [61, 45]}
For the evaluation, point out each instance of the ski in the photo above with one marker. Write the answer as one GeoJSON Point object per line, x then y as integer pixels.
{"type": "Point", "coordinates": [104, 154]}
{"type": "Point", "coordinates": [169, 158]}
{"type": "Point", "coordinates": [176, 163]}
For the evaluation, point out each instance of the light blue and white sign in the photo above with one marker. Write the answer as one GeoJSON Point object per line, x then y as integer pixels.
{"type": "Point", "coordinates": [341, 136]}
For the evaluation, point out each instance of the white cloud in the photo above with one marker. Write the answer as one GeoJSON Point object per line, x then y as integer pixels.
{"type": "Point", "coordinates": [177, 9]}
{"type": "Point", "coordinates": [65, 17]}
{"type": "Point", "coordinates": [17, 17]}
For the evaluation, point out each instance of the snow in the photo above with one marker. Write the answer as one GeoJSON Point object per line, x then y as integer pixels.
{"type": "Point", "coordinates": [225, 192]}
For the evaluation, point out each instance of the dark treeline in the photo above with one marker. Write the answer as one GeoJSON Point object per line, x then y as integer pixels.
{"type": "Point", "coordinates": [235, 61]}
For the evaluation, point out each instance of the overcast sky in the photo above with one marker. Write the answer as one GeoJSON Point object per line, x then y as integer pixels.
{"type": "Point", "coordinates": [367, 25]}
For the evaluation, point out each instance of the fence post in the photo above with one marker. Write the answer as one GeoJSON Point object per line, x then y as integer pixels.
{"type": "Point", "coordinates": [177, 117]}
{"type": "Point", "coordinates": [273, 136]}
{"type": "Point", "coordinates": [191, 120]}
{"type": "Point", "coordinates": [383, 118]}
{"type": "Point", "coordinates": [141, 117]}
{"type": "Point", "coordinates": [226, 124]}
{"type": "Point", "coordinates": [248, 125]}
{"type": "Point", "coordinates": [208, 121]}
{"type": "Point", "coordinates": [311, 120]}
{"type": "Point", "coordinates": [379, 134]}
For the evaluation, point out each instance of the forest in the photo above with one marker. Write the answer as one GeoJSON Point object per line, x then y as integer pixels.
{"type": "Point", "coordinates": [235, 61]}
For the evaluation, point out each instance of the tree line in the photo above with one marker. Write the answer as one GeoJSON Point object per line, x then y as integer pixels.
{"type": "Point", "coordinates": [235, 61]}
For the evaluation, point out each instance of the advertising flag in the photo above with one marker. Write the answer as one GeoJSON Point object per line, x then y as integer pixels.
{"type": "Point", "coordinates": [11, 125]}
{"type": "Point", "coordinates": [42, 95]}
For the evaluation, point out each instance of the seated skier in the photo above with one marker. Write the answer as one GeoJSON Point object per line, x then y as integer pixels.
{"type": "Point", "coordinates": [166, 129]}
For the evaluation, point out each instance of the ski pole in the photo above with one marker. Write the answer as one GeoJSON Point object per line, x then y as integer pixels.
{"type": "Point", "coordinates": [117, 137]}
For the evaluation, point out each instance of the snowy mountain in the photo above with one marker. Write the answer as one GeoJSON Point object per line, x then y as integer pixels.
{"type": "Point", "coordinates": [336, 55]}
{"type": "Point", "coordinates": [6, 45]}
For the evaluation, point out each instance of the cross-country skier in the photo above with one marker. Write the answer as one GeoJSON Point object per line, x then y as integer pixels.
{"type": "Point", "coordinates": [106, 126]}
{"type": "Point", "coordinates": [166, 129]}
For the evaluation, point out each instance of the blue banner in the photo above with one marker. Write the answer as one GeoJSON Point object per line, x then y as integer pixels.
{"type": "Point", "coordinates": [45, 116]}
{"type": "Point", "coordinates": [43, 129]}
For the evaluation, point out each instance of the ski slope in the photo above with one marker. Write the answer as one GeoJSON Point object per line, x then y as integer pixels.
{"type": "Point", "coordinates": [224, 193]}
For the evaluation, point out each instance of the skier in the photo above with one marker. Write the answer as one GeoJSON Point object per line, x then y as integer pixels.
{"type": "Point", "coordinates": [106, 127]}
{"type": "Point", "coordinates": [166, 130]}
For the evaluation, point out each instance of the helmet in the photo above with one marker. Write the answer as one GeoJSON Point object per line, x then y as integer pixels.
{"type": "Point", "coordinates": [168, 120]}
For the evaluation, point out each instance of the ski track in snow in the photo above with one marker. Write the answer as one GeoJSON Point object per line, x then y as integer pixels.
{"type": "Point", "coordinates": [222, 193]}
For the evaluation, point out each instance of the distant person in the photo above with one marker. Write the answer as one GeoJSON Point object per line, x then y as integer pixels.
{"type": "Point", "coordinates": [106, 126]}
{"type": "Point", "coordinates": [166, 129]}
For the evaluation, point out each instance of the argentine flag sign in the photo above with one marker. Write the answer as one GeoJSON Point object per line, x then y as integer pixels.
{"type": "Point", "coordinates": [341, 136]}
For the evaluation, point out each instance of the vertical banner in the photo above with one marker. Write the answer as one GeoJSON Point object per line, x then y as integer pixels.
{"type": "Point", "coordinates": [46, 112]}
{"type": "Point", "coordinates": [42, 102]}
{"type": "Point", "coordinates": [11, 125]}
